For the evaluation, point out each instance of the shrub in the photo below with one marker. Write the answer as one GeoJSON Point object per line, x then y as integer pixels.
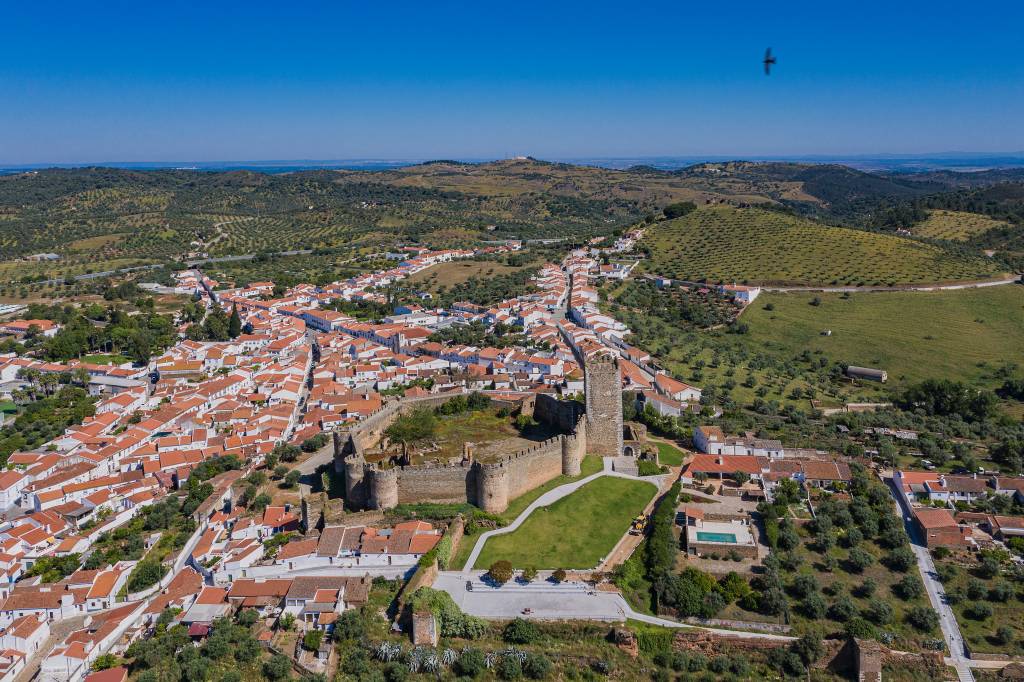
{"type": "Point", "coordinates": [312, 640]}
{"type": "Point", "coordinates": [537, 666]}
{"type": "Point", "coordinates": [278, 667]}
{"type": "Point", "coordinates": [803, 585]}
{"type": "Point", "coordinates": [978, 611]}
{"type": "Point", "coordinates": [909, 587]}
{"type": "Point", "coordinates": [867, 588]}
{"type": "Point", "coordinates": [471, 663]}
{"type": "Point", "coordinates": [520, 631]}
{"type": "Point", "coordinates": [814, 606]}
{"type": "Point", "coordinates": [860, 559]}
{"type": "Point", "coordinates": [859, 628]}
{"type": "Point", "coordinates": [976, 589]}
{"type": "Point", "coordinates": [1001, 591]}
{"type": "Point", "coordinates": [900, 559]}
{"type": "Point", "coordinates": [559, 575]}
{"type": "Point", "coordinates": [247, 617]}
{"type": "Point", "coordinates": [923, 618]}
{"type": "Point", "coordinates": [510, 668]}
{"type": "Point", "coordinates": [879, 612]}
{"type": "Point", "coordinates": [842, 610]}
{"type": "Point", "coordinates": [1004, 635]}
{"type": "Point", "coordinates": [529, 574]}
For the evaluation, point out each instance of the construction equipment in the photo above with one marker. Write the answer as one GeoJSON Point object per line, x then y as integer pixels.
{"type": "Point", "coordinates": [639, 525]}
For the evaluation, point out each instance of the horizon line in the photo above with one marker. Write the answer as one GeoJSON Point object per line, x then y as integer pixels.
{"type": "Point", "coordinates": [485, 159]}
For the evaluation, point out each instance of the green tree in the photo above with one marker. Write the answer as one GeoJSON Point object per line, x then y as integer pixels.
{"type": "Point", "coordinates": [234, 323]}
{"type": "Point", "coordinates": [500, 571]}
{"type": "Point", "coordinates": [278, 667]}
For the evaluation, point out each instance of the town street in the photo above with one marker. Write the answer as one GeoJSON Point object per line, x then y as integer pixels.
{"type": "Point", "coordinates": [936, 592]}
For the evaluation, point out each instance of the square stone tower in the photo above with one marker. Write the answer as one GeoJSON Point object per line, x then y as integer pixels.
{"type": "Point", "coordinates": [602, 385]}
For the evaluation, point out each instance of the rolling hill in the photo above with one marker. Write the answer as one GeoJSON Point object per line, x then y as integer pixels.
{"type": "Point", "coordinates": [93, 217]}
{"type": "Point", "coordinates": [724, 243]}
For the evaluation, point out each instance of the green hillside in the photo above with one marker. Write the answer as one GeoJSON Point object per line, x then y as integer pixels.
{"type": "Point", "coordinates": [722, 243]}
{"type": "Point", "coordinates": [955, 225]}
{"type": "Point", "coordinates": [961, 334]}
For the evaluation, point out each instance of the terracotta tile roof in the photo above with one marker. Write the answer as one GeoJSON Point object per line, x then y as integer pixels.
{"type": "Point", "coordinates": [930, 518]}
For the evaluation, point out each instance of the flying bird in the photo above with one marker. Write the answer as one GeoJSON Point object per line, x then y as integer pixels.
{"type": "Point", "coordinates": [768, 61]}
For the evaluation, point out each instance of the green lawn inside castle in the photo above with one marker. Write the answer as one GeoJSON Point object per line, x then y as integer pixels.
{"type": "Point", "coordinates": [473, 425]}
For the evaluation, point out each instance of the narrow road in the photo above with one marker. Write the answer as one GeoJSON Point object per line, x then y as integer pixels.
{"type": "Point", "coordinates": [936, 592]}
{"type": "Point", "coordinates": [1008, 279]}
{"type": "Point", "coordinates": [546, 499]}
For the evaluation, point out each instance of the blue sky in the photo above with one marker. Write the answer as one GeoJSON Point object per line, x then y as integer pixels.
{"type": "Point", "coordinates": [148, 81]}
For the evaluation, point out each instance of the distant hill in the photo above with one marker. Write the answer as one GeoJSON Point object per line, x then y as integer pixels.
{"type": "Point", "coordinates": [95, 215]}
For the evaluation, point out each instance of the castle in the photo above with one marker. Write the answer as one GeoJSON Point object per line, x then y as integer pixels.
{"type": "Point", "coordinates": [488, 485]}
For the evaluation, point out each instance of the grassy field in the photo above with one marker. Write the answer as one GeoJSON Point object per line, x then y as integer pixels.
{"type": "Point", "coordinates": [563, 535]}
{"type": "Point", "coordinates": [492, 436]}
{"type": "Point", "coordinates": [723, 243]}
{"type": "Point", "coordinates": [669, 454]}
{"type": "Point", "coordinates": [913, 335]}
{"type": "Point", "coordinates": [105, 359]}
{"type": "Point", "coordinates": [955, 225]}
{"type": "Point", "coordinates": [591, 465]}
{"type": "Point", "coordinates": [457, 272]}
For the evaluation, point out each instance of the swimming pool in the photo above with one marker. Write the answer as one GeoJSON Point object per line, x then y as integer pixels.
{"type": "Point", "coordinates": [716, 537]}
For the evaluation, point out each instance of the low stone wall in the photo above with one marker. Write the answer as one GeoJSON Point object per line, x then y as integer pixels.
{"type": "Point", "coordinates": [739, 624]}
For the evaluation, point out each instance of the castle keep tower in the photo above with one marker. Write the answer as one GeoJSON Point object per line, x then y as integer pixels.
{"type": "Point", "coordinates": [602, 384]}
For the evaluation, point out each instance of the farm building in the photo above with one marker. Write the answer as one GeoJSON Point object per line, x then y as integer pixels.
{"type": "Point", "coordinates": [867, 373]}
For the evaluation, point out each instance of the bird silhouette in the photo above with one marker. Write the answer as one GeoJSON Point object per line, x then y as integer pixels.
{"type": "Point", "coordinates": [768, 61]}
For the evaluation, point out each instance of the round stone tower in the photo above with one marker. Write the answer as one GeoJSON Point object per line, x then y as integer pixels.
{"type": "Point", "coordinates": [602, 384]}
{"type": "Point", "coordinates": [492, 488]}
{"type": "Point", "coordinates": [573, 451]}
{"type": "Point", "coordinates": [355, 486]}
{"type": "Point", "coordinates": [383, 488]}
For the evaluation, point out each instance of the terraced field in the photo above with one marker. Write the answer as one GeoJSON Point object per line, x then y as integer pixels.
{"type": "Point", "coordinates": [955, 225]}
{"type": "Point", "coordinates": [722, 243]}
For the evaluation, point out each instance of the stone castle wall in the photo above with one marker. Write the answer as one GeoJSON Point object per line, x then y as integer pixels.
{"type": "Point", "coordinates": [490, 486]}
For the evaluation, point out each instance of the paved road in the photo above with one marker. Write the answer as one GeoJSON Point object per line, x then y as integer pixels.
{"type": "Point", "coordinates": [544, 500]}
{"type": "Point", "coordinates": [936, 592]}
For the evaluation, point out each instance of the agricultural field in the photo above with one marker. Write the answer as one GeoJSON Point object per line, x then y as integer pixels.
{"type": "Point", "coordinates": [751, 245]}
{"type": "Point", "coordinates": [562, 535]}
{"type": "Point", "coordinates": [961, 335]}
{"type": "Point", "coordinates": [956, 226]}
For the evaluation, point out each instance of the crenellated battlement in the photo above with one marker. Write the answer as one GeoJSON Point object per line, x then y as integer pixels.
{"type": "Point", "coordinates": [489, 485]}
